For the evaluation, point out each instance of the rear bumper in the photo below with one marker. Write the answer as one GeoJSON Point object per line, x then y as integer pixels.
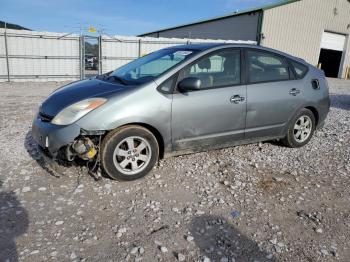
{"type": "Point", "coordinates": [53, 137]}
{"type": "Point", "coordinates": [323, 112]}
{"type": "Point", "coordinates": [320, 125]}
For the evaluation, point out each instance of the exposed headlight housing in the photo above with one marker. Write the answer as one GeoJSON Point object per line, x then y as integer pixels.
{"type": "Point", "coordinates": [76, 111]}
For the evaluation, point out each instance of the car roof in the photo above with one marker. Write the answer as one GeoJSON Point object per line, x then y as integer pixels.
{"type": "Point", "coordinates": [200, 47]}
{"type": "Point", "coordinates": [207, 46]}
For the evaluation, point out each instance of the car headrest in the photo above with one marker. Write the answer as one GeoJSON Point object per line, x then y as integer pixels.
{"type": "Point", "coordinates": [204, 64]}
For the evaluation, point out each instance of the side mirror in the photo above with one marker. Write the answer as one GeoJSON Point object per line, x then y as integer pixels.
{"type": "Point", "coordinates": [189, 84]}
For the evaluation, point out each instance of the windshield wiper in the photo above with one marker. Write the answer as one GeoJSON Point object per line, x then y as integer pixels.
{"type": "Point", "coordinates": [117, 78]}
{"type": "Point", "coordinates": [103, 76]}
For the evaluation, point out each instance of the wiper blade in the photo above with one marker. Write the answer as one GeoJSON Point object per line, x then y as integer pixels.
{"type": "Point", "coordinates": [119, 79]}
{"type": "Point", "coordinates": [104, 76]}
{"type": "Point", "coordinates": [101, 76]}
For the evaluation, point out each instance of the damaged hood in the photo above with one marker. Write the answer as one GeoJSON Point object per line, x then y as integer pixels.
{"type": "Point", "coordinates": [77, 91]}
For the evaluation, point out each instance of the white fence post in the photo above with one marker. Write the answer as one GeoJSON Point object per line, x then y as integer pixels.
{"type": "Point", "coordinates": [140, 47]}
{"type": "Point", "coordinates": [99, 54]}
{"type": "Point", "coordinates": [82, 57]}
{"type": "Point", "coordinates": [7, 57]}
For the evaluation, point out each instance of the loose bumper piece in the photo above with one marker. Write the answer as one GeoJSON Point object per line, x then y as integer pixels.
{"type": "Point", "coordinates": [53, 137]}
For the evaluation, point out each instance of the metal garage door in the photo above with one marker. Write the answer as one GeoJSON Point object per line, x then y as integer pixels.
{"type": "Point", "coordinates": [333, 41]}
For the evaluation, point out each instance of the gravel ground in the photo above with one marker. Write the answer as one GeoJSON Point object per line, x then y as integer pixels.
{"type": "Point", "coordinates": [260, 202]}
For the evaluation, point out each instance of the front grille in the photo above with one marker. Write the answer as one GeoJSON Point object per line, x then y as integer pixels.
{"type": "Point", "coordinates": [45, 117]}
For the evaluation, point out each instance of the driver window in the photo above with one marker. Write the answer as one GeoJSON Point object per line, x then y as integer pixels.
{"type": "Point", "coordinates": [219, 69]}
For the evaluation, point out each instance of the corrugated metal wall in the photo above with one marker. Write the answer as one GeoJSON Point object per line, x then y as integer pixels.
{"type": "Point", "coordinates": [39, 56]}
{"type": "Point", "coordinates": [119, 50]}
{"type": "Point", "coordinates": [297, 28]}
{"type": "Point", "coordinates": [239, 27]}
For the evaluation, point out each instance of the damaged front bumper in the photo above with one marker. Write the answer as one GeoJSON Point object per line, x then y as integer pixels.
{"type": "Point", "coordinates": [53, 137]}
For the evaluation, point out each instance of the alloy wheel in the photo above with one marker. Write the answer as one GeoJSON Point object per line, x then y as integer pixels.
{"type": "Point", "coordinates": [302, 128]}
{"type": "Point", "coordinates": [132, 155]}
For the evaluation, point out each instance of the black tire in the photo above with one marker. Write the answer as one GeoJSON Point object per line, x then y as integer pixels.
{"type": "Point", "coordinates": [290, 140]}
{"type": "Point", "coordinates": [114, 138]}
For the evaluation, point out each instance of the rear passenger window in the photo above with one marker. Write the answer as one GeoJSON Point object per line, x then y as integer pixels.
{"type": "Point", "coordinates": [300, 69]}
{"type": "Point", "coordinates": [265, 67]}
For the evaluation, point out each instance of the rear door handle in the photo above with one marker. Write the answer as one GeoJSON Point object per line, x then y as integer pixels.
{"type": "Point", "coordinates": [294, 92]}
{"type": "Point", "coordinates": [237, 99]}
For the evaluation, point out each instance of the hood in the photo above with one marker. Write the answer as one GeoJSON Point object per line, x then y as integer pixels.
{"type": "Point", "coordinates": [76, 92]}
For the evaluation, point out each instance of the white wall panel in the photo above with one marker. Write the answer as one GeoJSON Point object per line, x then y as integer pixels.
{"type": "Point", "coordinates": [39, 56]}
{"type": "Point", "coordinates": [2, 45]}
{"type": "Point", "coordinates": [42, 67]}
{"type": "Point", "coordinates": [3, 69]}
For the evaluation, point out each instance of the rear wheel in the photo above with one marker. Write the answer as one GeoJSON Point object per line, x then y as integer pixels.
{"type": "Point", "coordinates": [301, 129]}
{"type": "Point", "coordinates": [129, 153]}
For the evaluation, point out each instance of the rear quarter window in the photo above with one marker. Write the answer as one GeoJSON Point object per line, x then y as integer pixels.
{"type": "Point", "coordinates": [299, 69]}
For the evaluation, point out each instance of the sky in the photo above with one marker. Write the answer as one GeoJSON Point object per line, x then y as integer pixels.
{"type": "Point", "coordinates": [116, 17]}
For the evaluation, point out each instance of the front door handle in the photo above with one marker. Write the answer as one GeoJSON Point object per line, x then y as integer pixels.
{"type": "Point", "coordinates": [294, 92]}
{"type": "Point", "coordinates": [237, 99]}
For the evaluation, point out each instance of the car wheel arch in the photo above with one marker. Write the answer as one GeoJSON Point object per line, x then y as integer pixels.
{"type": "Point", "coordinates": [150, 128]}
{"type": "Point", "coordinates": [312, 108]}
{"type": "Point", "coordinates": [315, 113]}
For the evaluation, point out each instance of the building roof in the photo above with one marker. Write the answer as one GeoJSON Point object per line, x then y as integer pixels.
{"type": "Point", "coordinates": [256, 9]}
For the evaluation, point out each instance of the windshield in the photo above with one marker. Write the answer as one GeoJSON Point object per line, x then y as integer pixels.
{"type": "Point", "coordinates": [151, 66]}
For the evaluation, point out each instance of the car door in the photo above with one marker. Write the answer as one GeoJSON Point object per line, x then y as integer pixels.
{"type": "Point", "coordinates": [215, 114]}
{"type": "Point", "coordinates": [273, 96]}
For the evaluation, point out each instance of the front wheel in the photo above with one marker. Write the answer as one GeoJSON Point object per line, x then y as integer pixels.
{"type": "Point", "coordinates": [301, 129]}
{"type": "Point", "coordinates": [129, 152]}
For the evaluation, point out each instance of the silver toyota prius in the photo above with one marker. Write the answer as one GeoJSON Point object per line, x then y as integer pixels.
{"type": "Point", "coordinates": [181, 100]}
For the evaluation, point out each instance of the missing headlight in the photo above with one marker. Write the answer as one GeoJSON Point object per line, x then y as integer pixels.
{"type": "Point", "coordinates": [84, 148]}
